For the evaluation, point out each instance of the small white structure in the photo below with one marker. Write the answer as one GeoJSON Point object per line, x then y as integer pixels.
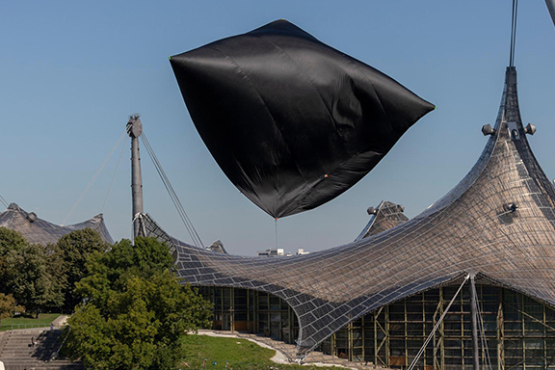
{"type": "Point", "coordinates": [272, 252]}
{"type": "Point", "coordinates": [275, 252]}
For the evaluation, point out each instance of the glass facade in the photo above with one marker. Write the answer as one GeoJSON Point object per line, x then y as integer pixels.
{"type": "Point", "coordinates": [253, 312]}
{"type": "Point", "coordinates": [516, 332]}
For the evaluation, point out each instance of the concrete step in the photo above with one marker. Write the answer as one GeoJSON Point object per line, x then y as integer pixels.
{"type": "Point", "coordinates": [17, 353]}
{"type": "Point", "coordinates": [27, 343]}
{"type": "Point", "coordinates": [53, 365]}
{"type": "Point", "coordinates": [16, 364]}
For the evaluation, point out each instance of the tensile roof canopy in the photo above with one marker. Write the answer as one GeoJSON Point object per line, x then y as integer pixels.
{"type": "Point", "coordinates": [39, 231]}
{"type": "Point", "coordinates": [292, 122]}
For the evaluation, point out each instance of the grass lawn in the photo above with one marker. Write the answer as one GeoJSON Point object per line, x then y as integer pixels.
{"type": "Point", "coordinates": [240, 354]}
{"type": "Point", "coordinates": [45, 320]}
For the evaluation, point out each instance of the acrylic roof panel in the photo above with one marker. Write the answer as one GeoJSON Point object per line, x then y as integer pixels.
{"type": "Point", "coordinates": [148, 227]}
{"type": "Point", "coordinates": [38, 231]}
{"type": "Point", "coordinates": [473, 228]}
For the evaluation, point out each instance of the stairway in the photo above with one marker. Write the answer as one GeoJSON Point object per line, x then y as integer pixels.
{"type": "Point", "coordinates": [17, 353]}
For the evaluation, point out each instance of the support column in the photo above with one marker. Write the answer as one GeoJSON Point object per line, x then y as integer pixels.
{"type": "Point", "coordinates": [544, 319]}
{"type": "Point", "coordinates": [350, 343]}
{"type": "Point", "coordinates": [384, 343]}
{"type": "Point", "coordinates": [439, 363]}
{"type": "Point", "coordinates": [363, 336]}
{"type": "Point", "coordinates": [500, 334]}
{"type": "Point", "coordinates": [406, 333]}
{"type": "Point", "coordinates": [293, 336]}
{"type": "Point", "coordinates": [232, 309]}
{"type": "Point", "coordinates": [474, 317]}
{"type": "Point", "coordinates": [256, 311]}
{"type": "Point", "coordinates": [523, 328]}
{"type": "Point", "coordinates": [387, 349]}
{"type": "Point", "coordinates": [376, 348]}
{"type": "Point", "coordinates": [135, 129]}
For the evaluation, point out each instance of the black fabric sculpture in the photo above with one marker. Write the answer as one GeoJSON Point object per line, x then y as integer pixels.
{"type": "Point", "coordinates": [292, 122]}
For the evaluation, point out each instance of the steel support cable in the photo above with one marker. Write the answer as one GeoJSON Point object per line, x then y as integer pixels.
{"type": "Point", "coordinates": [513, 32]}
{"type": "Point", "coordinates": [169, 188]}
{"type": "Point", "coordinates": [163, 178]}
{"type": "Point", "coordinates": [417, 357]}
{"type": "Point", "coordinates": [173, 195]}
{"type": "Point", "coordinates": [93, 179]}
{"type": "Point", "coordinates": [3, 201]}
{"type": "Point", "coordinates": [276, 227]}
{"type": "Point", "coordinates": [530, 316]}
{"type": "Point", "coordinates": [113, 178]}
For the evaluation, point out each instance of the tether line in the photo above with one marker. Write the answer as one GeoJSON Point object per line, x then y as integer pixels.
{"type": "Point", "coordinates": [94, 178]}
{"type": "Point", "coordinates": [513, 33]}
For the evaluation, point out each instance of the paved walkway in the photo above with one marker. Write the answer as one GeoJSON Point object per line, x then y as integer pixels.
{"type": "Point", "coordinates": [279, 357]}
{"type": "Point", "coordinates": [60, 321]}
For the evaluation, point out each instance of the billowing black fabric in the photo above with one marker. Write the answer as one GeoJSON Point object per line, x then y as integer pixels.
{"type": "Point", "coordinates": [292, 122]}
{"type": "Point", "coordinates": [551, 7]}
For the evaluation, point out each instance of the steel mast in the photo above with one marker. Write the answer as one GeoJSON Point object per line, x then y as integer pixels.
{"type": "Point", "coordinates": [135, 129]}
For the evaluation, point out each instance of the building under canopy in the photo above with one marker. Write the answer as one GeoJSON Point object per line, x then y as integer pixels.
{"type": "Point", "coordinates": [39, 231]}
{"type": "Point", "coordinates": [496, 228]}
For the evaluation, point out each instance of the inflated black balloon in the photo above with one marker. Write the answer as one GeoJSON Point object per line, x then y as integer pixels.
{"type": "Point", "coordinates": [292, 122]}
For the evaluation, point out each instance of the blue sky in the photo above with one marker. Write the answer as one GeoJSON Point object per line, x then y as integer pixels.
{"type": "Point", "coordinates": [72, 72]}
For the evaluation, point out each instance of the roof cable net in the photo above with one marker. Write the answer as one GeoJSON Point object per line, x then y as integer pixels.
{"type": "Point", "coordinates": [173, 195]}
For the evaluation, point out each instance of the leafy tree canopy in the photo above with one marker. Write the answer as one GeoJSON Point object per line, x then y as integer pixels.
{"type": "Point", "coordinates": [69, 256]}
{"type": "Point", "coordinates": [29, 278]}
{"type": "Point", "coordinates": [8, 306]}
{"type": "Point", "coordinates": [9, 240]}
{"type": "Point", "coordinates": [136, 310]}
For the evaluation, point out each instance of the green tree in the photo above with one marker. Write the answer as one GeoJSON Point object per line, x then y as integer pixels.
{"type": "Point", "coordinates": [30, 279]}
{"type": "Point", "coordinates": [8, 306]}
{"type": "Point", "coordinates": [137, 310]}
{"type": "Point", "coordinates": [69, 255]}
{"type": "Point", "coordinates": [9, 240]}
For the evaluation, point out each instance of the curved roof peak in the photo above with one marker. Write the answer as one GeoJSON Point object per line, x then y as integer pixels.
{"type": "Point", "coordinates": [14, 207]}
{"type": "Point", "coordinates": [39, 231]}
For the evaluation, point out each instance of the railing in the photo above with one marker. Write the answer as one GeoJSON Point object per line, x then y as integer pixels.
{"type": "Point", "coordinates": [29, 326]}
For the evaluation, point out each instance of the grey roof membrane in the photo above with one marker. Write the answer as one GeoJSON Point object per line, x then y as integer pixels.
{"type": "Point", "coordinates": [498, 222]}
{"type": "Point", "coordinates": [385, 217]}
{"type": "Point", "coordinates": [38, 231]}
